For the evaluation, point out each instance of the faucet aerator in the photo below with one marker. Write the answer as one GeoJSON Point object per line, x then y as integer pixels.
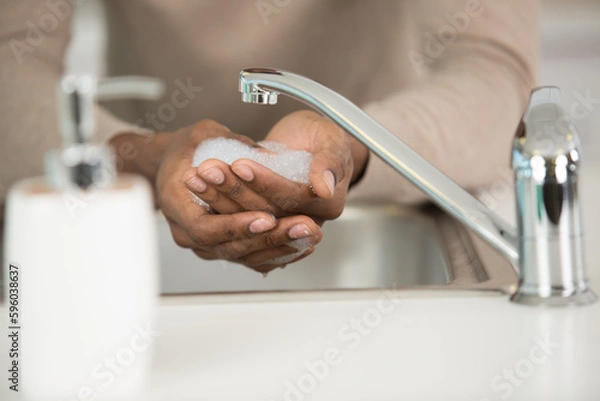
{"type": "Point", "coordinates": [258, 96]}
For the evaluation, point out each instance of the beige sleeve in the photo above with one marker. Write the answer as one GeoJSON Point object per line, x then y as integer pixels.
{"type": "Point", "coordinates": [34, 35]}
{"type": "Point", "coordinates": [463, 114]}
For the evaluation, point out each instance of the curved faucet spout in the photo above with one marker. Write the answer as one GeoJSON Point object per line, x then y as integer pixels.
{"type": "Point", "coordinates": [263, 85]}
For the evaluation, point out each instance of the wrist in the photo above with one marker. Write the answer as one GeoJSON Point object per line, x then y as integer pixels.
{"type": "Point", "coordinates": [139, 154]}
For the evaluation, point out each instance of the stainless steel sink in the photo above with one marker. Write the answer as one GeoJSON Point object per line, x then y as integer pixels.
{"type": "Point", "coordinates": [368, 247]}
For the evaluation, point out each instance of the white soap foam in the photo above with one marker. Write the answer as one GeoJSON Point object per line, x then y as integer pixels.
{"type": "Point", "coordinates": [199, 201]}
{"type": "Point", "coordinates": [291, 164]}
{"type": "Point", "coordinates": [301, 244]}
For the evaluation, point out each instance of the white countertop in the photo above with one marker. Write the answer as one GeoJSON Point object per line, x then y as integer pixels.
{"type": "Point", "coordinates": [421, 346]}
{"type": "Point", "coordinates": [426, 348]}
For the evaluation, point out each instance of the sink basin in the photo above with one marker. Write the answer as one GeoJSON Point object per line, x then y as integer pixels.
{"type": "Point", "coordinates": [369, 246]}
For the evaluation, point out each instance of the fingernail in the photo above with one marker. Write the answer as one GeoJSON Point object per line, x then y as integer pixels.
{"type": "Point", "coordinates": [196, 184]}
{"type": "Point", "coordinates": [299, 231]}
{"type": "Point", "coordinates": [261, 225]}
{"type": "Point", "coordinates": [329, 180]}
{"type": "Point", "coordinates": [244, 172]}
{"type": "Point", "coordinates": [213, 175]}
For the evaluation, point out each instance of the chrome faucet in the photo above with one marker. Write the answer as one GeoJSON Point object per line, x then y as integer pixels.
{"type": "Point", "coordinates": [547, 250]}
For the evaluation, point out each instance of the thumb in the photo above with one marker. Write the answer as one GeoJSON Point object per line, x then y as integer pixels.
{"type": "Point", "coordinates": [324, 175]}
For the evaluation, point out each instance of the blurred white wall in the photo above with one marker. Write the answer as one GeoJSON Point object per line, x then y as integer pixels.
{"type": "Point", "coordinates": [570, 48]}
{"type": "Point", "coordinates": [570, 32]}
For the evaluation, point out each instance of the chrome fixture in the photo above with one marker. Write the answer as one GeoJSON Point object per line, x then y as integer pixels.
{"type": "Point", "coordinates": [80, 162]}
{"type": "Point", "coordinates": [546, 159]}
{"type": "Point", "coordinates": [547, 248]}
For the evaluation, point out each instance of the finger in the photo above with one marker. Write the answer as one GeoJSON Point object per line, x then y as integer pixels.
{"type": "Point", "coordinates": [204, 254]}
{"type": "Point", "coordinates": [223, 184]}
{"type": "Point", "coordinates": [323, 181]}
{"type": "Point", "coordinates": [180, 236]}
{"type": "Point", "coordinates": [209, 195]}
{"type": "Point", "coordinates": [297, 231]}
{"type": "Point", "coordinates": [292, 243]}
{"type": "Point", "coordinates": [266, 261]}
{"type": "Point", "coordinates": [291, 240]}
{"type": "Point", "coordinates": [206, 230]}
{"type": "Point", "coordinates": [327, 171]}
{"type": "Point", "coordinates": [272, 259]}
{"type": "Point", "coordinates": [289, 196]}
{"type": "Point", "coordinates": [210, 230]}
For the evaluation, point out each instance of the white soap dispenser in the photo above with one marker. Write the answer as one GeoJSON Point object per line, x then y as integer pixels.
{"type": "Point", "coordinates": [81, 262]}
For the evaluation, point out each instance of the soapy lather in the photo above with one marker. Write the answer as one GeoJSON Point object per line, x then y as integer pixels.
{"type": "Point", "coordinates": [289, 163]}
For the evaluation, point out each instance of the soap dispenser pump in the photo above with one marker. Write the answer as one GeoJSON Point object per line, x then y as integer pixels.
{"type": "Point", "coordinates": [84, 243]}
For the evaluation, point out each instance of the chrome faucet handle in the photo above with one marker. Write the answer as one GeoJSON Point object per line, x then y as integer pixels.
{"type": "Point", "coordinates": [546, 160]}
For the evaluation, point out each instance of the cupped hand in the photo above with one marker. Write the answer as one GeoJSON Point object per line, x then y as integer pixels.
{"type": "Point", "coordinates": [248, 236]}
{"type": "Point", "coordinates": [338, 161]}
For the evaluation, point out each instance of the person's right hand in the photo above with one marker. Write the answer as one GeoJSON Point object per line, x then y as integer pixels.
{"type": "Point", "coordinates": [253, 238]}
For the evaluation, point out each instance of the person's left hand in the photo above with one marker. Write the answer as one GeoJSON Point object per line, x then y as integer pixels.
{"type": "Point", "coordinates": [338, 160]}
